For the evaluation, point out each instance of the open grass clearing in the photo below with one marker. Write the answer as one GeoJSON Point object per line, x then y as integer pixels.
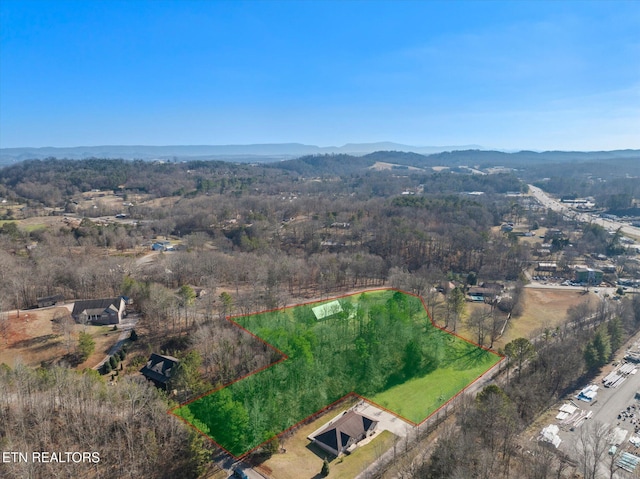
{"type": "Point", "coordinates": [544, 308]}
{"type": "Point", "coordinates": [380, 341]}
{"type": "Point", "coordinates": [419, 397]}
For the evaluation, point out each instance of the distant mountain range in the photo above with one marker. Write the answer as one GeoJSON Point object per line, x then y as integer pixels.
{"type": "Point", "coordinates": [599, 163]}
{"type": "Point", "coordinates": [299, 156]}
{"type": "Point", "coordinates": [239, 153]}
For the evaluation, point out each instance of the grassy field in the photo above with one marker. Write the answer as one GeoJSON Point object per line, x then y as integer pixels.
{"type": "Point", "coordinates": [542, 308]}
{"type": "Point", "coordinates": [545, 308]}
{"type": "Point", "coordinates": [419, 397]}
{"type": "Point", "coordinates": [380, 345]}
{"type": "Point", "coordinates": [27, 225]}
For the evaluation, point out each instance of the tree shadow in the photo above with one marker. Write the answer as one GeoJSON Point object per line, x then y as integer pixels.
{"type": "Point", "coordinates": [472, 359]}
{"type": "Point", "coordinates": [38, 340]}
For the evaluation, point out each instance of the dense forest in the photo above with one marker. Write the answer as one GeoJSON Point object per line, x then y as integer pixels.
{"type": "Point", "coordinates": [57, 410]}
{"type": "Point", "coordinates": [325, 234]}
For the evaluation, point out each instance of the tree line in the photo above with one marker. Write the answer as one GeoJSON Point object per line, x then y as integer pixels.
{"type": "Point", "coordinates": [484, 441]}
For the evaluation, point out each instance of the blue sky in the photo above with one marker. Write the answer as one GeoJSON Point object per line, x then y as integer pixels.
{"type": "Point", "coordinates": [516, 75]}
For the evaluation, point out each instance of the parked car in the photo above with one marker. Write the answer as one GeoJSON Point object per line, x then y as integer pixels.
{"type": "Point", "coordinates": [239, 474]}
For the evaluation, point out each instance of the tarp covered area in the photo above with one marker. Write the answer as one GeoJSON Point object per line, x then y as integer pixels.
{"type": "Point", "coordinates": [327, 309]}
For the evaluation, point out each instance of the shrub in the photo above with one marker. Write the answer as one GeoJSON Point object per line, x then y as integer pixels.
{"type": "Point", "coordinates": [324, 472]}
{"type": "Point", "coordinates": [113, 361]}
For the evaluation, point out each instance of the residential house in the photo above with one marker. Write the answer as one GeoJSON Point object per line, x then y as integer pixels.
{"type": "Point", "coordinates": [486, 291]}
{"type": "Point", "coordinates": [343, 433]}
{"type": "Point", "coordinates": [99, 311]}
{"type": "Point", "coordinates": [159, 369]}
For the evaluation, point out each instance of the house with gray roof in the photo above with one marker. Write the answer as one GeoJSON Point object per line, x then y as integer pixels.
{"type": "Point", "coordinates": [99, 311]}
{"type": "Point", "coordinates": [343, 433]}
{"type": "Point", "coordinates": [159, 369]}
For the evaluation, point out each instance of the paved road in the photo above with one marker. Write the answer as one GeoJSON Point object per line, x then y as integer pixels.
{"type": "Point", "coordinates": [555, 205]}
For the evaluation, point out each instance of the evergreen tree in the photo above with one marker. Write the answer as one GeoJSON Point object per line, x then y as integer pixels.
{"type": "Point", "coordinates": [598, 351]}
{"type": "Point", "coordinates": [113, 362]}
{"type": "Point", "coordinates": [324, 472]}
{"type": "Point", "coordinates": [86, 345]}
{"type": "Point", "coordinates": [614, 328]}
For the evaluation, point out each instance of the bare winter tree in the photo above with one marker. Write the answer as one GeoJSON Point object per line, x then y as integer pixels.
{"type": "Point", "coordinates": [591, 448]}
{"type": "Point", "coordinates": [63, 324]}
{"type": "Point", "coordinates": [4, 322]}
{"type": "Point", "coordinates": [479, 322]}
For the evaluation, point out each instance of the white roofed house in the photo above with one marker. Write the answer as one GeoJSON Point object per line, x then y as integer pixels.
{"type": "Point", "coordinates": [99, 311]}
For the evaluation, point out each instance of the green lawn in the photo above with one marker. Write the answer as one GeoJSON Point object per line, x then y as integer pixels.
{"type": "Point", "coordinates": [27, 228]}
{"type": "Point", "coordinates": [380, 345]}
{"type": "Point", "coordinates": [34, 227]}
{"type": "Point", "coordinates": [418, 398]}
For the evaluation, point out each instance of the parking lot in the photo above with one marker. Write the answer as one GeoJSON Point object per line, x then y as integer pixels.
{"type": "Point", "coordinates": [613, 406]}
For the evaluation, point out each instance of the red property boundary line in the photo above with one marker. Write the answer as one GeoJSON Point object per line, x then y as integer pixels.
{"type": "Point", "coordinates": [343, 398]}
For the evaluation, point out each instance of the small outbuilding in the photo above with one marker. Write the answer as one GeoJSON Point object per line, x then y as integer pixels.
{"type": "Point", "coordinates": [47, 301]}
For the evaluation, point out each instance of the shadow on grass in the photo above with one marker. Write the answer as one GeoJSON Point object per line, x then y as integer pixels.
{"type": "Point", "coordinates": [38, 340]}
{"type": "Point", "coordinates": [430, 365]}
{"type": "Point", "coordinates": [321, 453]}
{"type": "Point", "coordinates": [473, 359]}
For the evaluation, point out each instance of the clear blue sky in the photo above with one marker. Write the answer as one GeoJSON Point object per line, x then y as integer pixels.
{"type": "Point", "coordinates": [517, 75]}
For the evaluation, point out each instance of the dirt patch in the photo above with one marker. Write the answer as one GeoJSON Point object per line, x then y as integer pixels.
{"type": "Point", "coordinates": [31, 340]}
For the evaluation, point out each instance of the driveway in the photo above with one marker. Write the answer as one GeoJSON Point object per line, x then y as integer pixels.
{"type": "Point", "coordinates": [386, 420]}
{"type": "Point", "coordinates": [125, 328]}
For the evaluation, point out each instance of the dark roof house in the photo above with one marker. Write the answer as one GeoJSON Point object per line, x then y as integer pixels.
{"type": "Point", "coordinates": [159, 369]}
{"type": "Point", "coordinates": [99, 311]}
{"type": "Point", "coordinates": [343, 433]}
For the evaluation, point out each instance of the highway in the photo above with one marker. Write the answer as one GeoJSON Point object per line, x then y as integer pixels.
{"type": "Point", "coordinates": [556, 205]}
